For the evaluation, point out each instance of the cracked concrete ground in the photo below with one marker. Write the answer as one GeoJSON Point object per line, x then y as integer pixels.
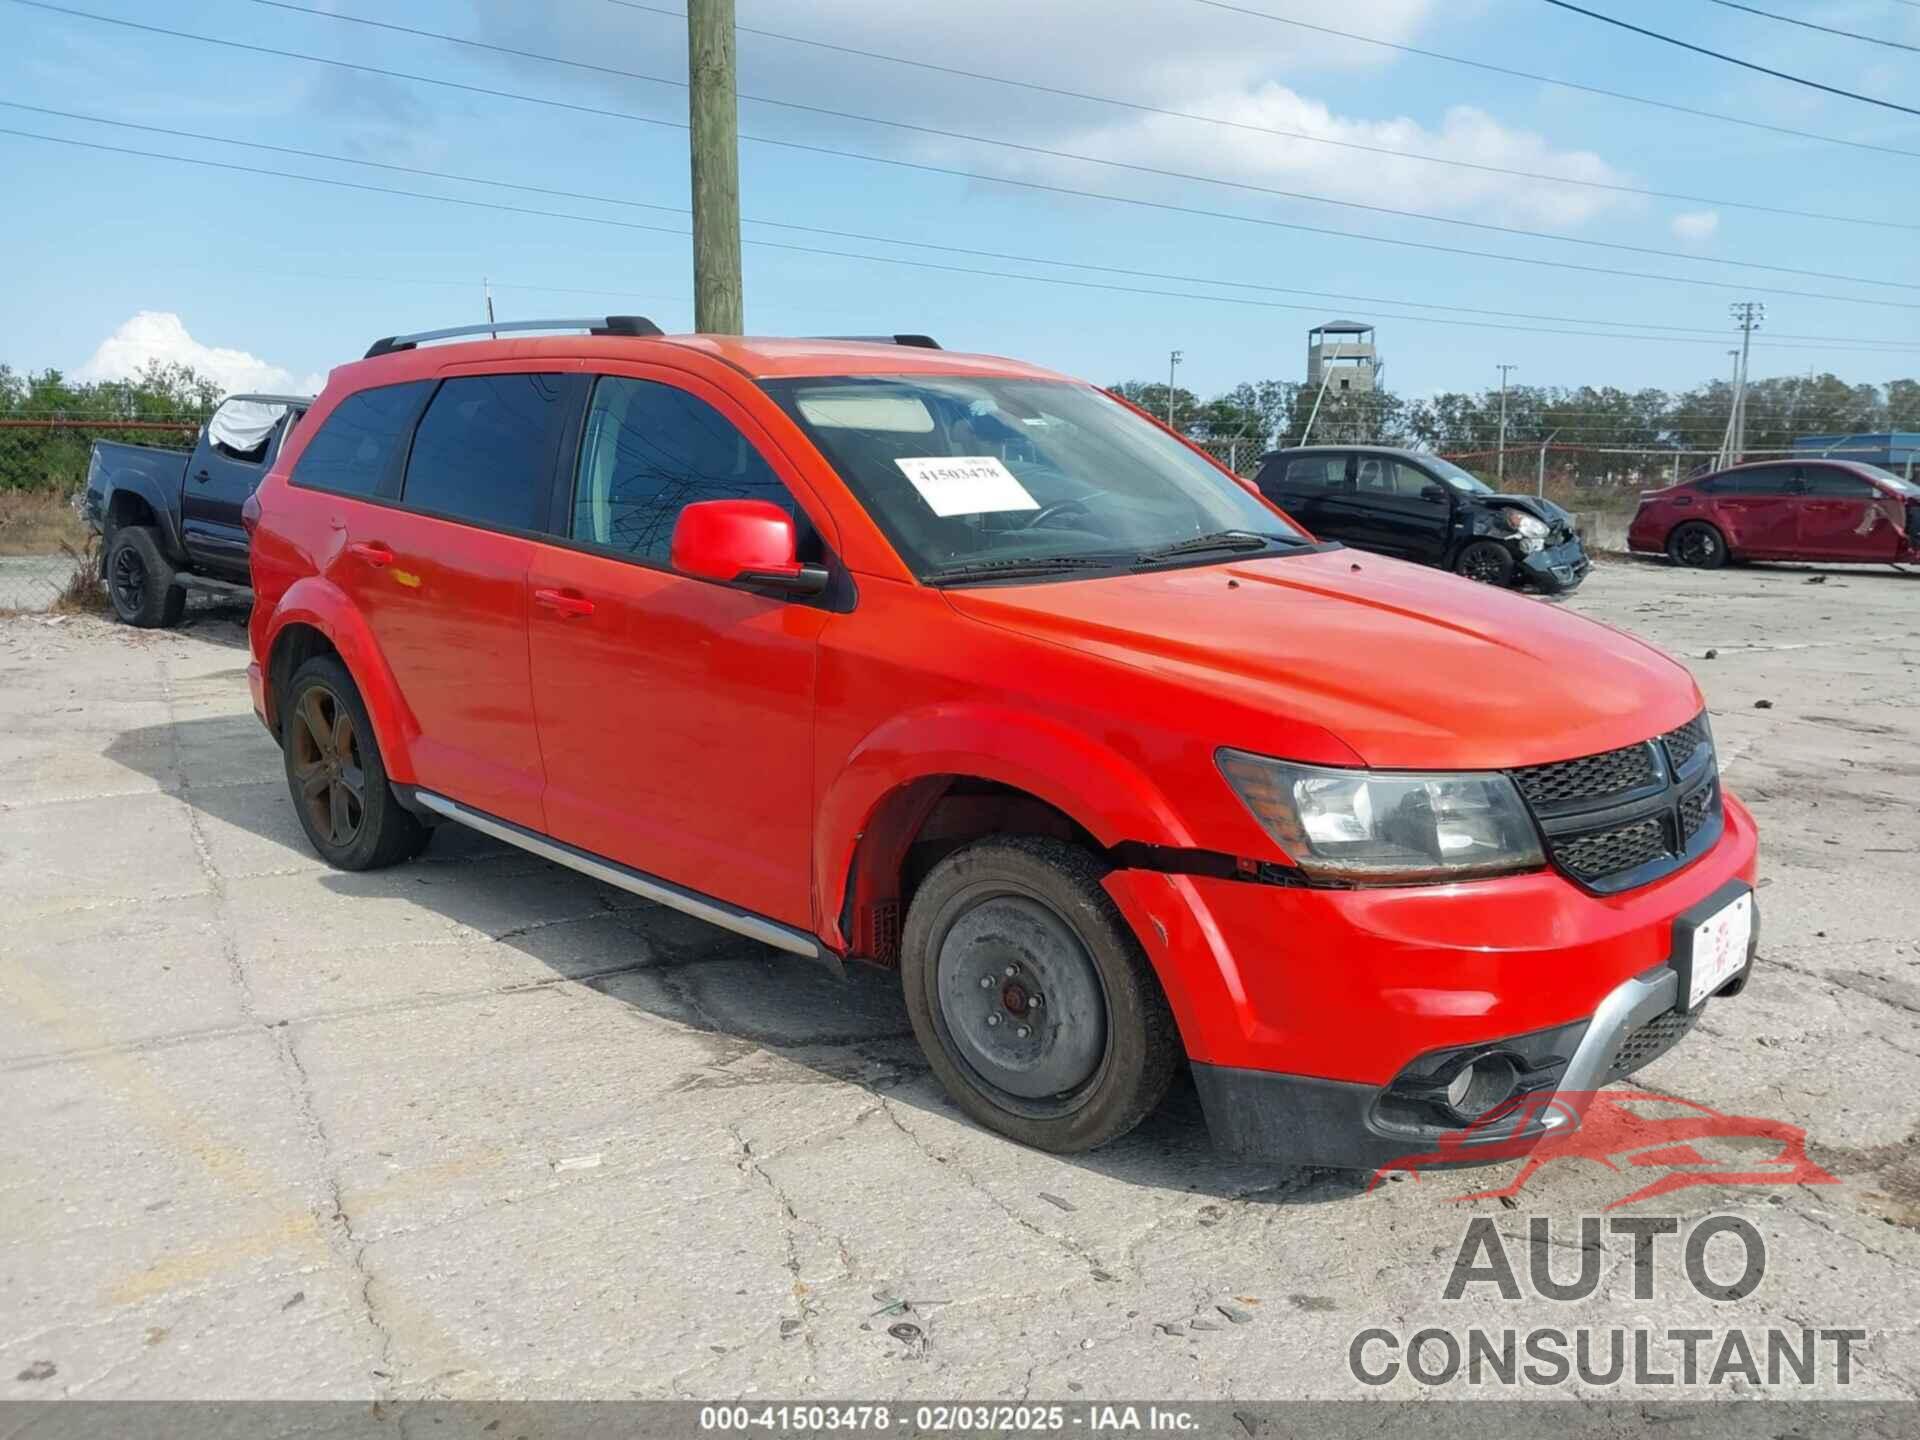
{"type": "Point", "coordinates": [479, 1127]}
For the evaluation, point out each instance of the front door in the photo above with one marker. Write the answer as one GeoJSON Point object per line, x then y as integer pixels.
{"type": "Point", "coordinates": [675, 715]}
{"type": "Point", "coordinates": [1844, 516]}
{"type": "Point", "coordinates": [1397, 510]}
{"type": "Point", "coordinates": [219, 480]}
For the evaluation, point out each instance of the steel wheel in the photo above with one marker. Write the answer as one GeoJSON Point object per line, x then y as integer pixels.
{"type": "Point", "coordinates": [127, 581]}
{"type": "Point", "coordinates": [327, 768]}
{"type": "Point", "coordinates": [1022, 1002]}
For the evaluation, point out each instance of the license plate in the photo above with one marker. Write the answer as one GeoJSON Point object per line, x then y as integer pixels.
{"type": "Point", "coordinates": [1720, 948]}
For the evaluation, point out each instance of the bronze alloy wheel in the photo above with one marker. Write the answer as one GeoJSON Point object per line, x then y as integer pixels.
{"type": "Point", "coordinates": [327, 767]}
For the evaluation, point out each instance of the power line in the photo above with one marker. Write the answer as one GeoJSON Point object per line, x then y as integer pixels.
{"type": "Point", "coordinates": [1272, 130]}
{"type": "Point", "coordinates": [838, 254]}
{"type": "Point", "coordinates": [1156, 171]}
{"type": "Point", "coordinates": [1868, 344]}
{"type": "Point", "coordinates": [1825, 29]}
{"type": "Point", "coordinates": [1732, 59]}
{"type": "Point", "coordinates": [1563, 84]}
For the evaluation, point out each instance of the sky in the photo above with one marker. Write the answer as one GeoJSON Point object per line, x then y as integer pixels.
{"type": "Point", "coordinates": [1178, 242]}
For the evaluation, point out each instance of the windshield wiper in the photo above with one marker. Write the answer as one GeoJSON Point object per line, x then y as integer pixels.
{"type": "Point", "coordinates": [1218, 540]}
{"type": "Point", "coordinates": [1022, 566]}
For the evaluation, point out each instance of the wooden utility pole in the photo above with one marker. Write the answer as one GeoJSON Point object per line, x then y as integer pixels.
{"type": "Point", "coordinates": [715, 141]}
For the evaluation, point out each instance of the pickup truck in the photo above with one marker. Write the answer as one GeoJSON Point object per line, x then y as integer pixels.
{"type": "Point", "coordinates": [169, 519]}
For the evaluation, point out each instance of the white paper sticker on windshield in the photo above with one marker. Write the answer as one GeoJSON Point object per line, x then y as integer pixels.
{"type": "Point", "coordinates": [966, 484]}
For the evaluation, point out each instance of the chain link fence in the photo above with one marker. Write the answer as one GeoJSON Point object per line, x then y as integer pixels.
{"type": "Point", "coordinates": [43, 469]}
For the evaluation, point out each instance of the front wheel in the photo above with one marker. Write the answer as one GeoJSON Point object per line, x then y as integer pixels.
{"type": "Point", "coordinates": [1032, 999]}
{"type": "Point", "coordinates": [336, 776]}
{"type": "Point", "coordinates": [1486, 561]}
{"type": "Point", "coordinates": [1697, 544]}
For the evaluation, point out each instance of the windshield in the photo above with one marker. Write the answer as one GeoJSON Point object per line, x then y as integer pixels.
{"type": "Point", "coordinates": [985, 475]}
{"type": "Point", "coordinates": [1455, 476]}
{"type": "Point", "coordinates": [1900, 483]}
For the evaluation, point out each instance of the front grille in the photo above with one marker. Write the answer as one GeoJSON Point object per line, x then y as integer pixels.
{"type": "Point", "coordinates": [1613, 852]}
{"type": "Point", "coordinates": [1650, 1041]}
{"type": "Point", "coordinates": [1697, 809]}
{"type": "Point", "coordinates": [1591, 777]}
{"type": "Point", "coordinates": [1683, 744]}
{"type": "Point", "coordinates": [1624, 817]}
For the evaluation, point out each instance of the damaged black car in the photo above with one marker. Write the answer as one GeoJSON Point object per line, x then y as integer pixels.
{"type": "Point", "coordinates": [1422, 508]}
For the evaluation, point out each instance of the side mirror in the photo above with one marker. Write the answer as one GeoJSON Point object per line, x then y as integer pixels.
{"type": "Point", "coordinates": [1434, 494]}
{"type": "Point", "coordinates": [749, 543]}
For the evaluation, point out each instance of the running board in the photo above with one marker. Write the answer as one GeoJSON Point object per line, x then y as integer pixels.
{"type": "Point", "coordinates": [650, 887]}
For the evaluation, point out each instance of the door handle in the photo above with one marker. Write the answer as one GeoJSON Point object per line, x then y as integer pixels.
{"type": "Point", "coordinates": [371, 551]}
{"type": "Point", "coordinates": [565, 601]}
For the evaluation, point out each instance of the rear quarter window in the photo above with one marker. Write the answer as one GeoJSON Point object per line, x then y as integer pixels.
{"type": "Point", "coordinates": [357, 447]}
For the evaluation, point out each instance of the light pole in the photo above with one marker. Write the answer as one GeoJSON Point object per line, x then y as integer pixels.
{"type": "Point", "coordinates": [1501, 472]}
{"type": "Point", "coordinates": [1174, 357]}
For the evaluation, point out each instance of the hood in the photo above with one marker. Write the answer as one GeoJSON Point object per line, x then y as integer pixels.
{"type": "Point", "coordinates": [1412, 668]}
{"type": "Point", "coordinates": [1537, 506]}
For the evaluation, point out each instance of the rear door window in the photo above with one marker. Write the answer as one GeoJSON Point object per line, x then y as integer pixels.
{"type": "Point", "coordinates": [649, 451]}
{"type": "Point", "coordinates": [484, 451]}
{"type": "Point", "coordinates": [1316, 474]}
{"type": "Point", "coordinates": [357, 449]}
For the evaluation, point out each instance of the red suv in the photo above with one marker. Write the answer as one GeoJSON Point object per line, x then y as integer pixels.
{"type": "Point", "coordinates": [1783, 510]}
{"type": "Point", "coordinates": [953, 665]}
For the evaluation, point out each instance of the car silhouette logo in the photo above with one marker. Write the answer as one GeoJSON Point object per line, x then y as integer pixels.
{"type": "Point", "coordinates": [1631, 1132]}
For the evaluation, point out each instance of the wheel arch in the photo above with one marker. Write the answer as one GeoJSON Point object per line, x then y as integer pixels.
{"type": "Point", "coordinates": [927, 782]}
{"type": "Point", "coordinates": [314, 617]}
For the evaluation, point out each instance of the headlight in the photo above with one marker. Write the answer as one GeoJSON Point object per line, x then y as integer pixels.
{"type": "Point", "coordinates": [1528, 525]}
{"type": "Point", "coordinates": [1386, 827]}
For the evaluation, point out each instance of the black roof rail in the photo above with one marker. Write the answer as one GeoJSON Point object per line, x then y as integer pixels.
{"type": "Point", "coordinates": [918, 342]}
{"type": "Point", "coordinates": [635, 325]}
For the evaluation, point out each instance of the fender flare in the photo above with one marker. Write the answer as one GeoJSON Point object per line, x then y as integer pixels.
{"type": "Point", "coordinates": [1098, 788]}
{"type": "Point", "coordinates": [316, 601]}
{"type": "Point", "coordinates": [164, 507]}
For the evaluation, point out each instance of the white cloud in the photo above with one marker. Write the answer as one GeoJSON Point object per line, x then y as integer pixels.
{"type": "Point", "coordinates": [1173, 56]}
{"type": "Point", "coordinates": [1696, 227]}
{"type": "Point", "coordinates": [161, 335]}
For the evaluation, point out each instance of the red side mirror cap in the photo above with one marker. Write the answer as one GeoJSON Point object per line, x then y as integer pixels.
{"type": "Point", "coordinates": [752, 543]}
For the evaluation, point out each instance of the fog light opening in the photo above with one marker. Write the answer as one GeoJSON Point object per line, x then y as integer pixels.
{"type": "Point", "coordinates": [1482, 1086]}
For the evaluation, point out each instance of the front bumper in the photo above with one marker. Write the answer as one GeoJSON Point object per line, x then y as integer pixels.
{"type": "Point", "coordinates": [1558, 569]}
{"type": "Point", "coordinates": [1304, 1120]}
{"type": "Point", "coordinates": [1300, 1007]}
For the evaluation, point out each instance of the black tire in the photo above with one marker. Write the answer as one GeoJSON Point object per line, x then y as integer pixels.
{"type": "Point", "coordinates": [336, 776]}
{"type": "Point", "coordinates": [1698, 545]}
{"type": "Point", "coordinates": [141, 584]}
{"type": "Point", "coordinates": [1487, 561]}
{"type": "Point", "coordinates": [1029, 915]}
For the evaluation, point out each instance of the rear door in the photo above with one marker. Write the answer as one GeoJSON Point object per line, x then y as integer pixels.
{"type": "Point", "coordinates": [436, 562]}
{"type": "Point", "coordinates": [1758, 508]}
{"type": "Point", "coordinates": [1844, 516]}
{"type": "Point", "coordinates": [1309, 488]}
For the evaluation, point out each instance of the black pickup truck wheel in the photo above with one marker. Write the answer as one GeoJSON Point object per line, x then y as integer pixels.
{"type": "Point", "coordinates": [140, 583]}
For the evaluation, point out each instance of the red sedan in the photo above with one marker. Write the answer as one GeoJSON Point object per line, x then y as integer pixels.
{"type": "Point", "coordinates": [1783, 510]}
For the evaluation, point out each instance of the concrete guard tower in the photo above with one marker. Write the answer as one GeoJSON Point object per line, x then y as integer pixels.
{"type": "Point", "coordinates": [1341, 356]}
